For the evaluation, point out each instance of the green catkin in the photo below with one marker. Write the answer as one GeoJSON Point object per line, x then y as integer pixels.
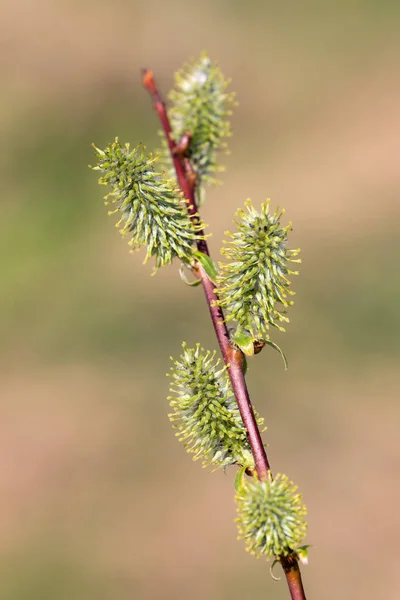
{"type": "Point", "coordinates": [152, 209]}
{"type": "Point", "coordinates": [253, 286]}
{"type": "Point", "coordinates": [205, 412]}
{"type": "Point", "coordinates": [201, 107]}
{"type": "Point", "coordinates": [271, 516]}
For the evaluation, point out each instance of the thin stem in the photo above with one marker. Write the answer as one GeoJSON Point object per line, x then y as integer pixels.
{"type": "Point", "coordinates": [233, 357]}
{"type": "Point", "coordinates": [291, 569]}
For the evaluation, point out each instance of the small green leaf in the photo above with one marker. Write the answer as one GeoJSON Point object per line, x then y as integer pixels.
{"type": "Point", "coordinates": [278, 349]}
{"type": "Point", "coordinates": [302, 553]}
{"type": "Point", "coordinates": [239, 477]}
{"type": "Point", "coordinates": [208, 265]}
{"type": "Point", "coordinates": [184, 278]}
{"type": "Point", "coordinates": [244, 341]}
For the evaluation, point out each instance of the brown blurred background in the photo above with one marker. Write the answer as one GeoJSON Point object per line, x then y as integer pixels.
{"type": "Point", "coordinates": [98, 501]}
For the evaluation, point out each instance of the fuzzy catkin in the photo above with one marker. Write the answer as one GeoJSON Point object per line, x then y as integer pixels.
{"type": "Point", "coordinates": [271, 516]}
{"type": "Point", "coordinates": [253, 285]}
{"type": "Point", "coordinates": [205, 412]}
{"type": "Point", "coordinates": [153, 211]}
{"type": "Point", "coordinates": [200, 106]}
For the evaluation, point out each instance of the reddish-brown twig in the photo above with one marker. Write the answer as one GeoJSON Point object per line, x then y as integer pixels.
{"type": "Point", "coordinates": [232, 356]}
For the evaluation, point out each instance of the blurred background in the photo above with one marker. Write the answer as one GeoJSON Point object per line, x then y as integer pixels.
{"type": "Point", "coordinates": [97, 498]}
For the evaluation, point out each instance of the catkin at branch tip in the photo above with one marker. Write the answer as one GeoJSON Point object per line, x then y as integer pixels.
{"type": "Point", "coordinates": [201, 107]}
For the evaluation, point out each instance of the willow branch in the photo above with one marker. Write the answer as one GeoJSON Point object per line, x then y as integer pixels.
{"type": "Point", "coordinates": [233, 357]}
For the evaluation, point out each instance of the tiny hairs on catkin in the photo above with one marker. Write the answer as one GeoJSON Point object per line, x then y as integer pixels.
{"type": "Point", "coordinates": [205, 413]}
{"type": "Point", "coordinates": [152, 209]}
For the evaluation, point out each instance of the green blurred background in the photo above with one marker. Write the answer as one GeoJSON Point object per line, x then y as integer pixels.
{"type": "Point", "coordinates": [97, 499]}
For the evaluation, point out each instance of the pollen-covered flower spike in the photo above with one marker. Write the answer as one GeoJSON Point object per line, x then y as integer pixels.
{"type": "Point", "coordinates": [201, 107]}
{"type": "Point", "coordinates": [205, 411]}
{"type": "Point", "coordinates": [153, 211]}
{"type": "Point", "coordinates": [253, 284]}
{"type": "Point", "coordinates": [271, 516]}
